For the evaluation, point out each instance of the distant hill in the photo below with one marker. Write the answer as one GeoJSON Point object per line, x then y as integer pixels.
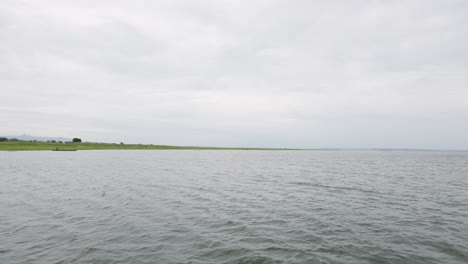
{"type": "Point", "coordinates": [29, 137]}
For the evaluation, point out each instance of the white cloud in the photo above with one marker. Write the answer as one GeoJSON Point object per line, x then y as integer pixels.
{"type": "Point", "coordinates": [250, 73]}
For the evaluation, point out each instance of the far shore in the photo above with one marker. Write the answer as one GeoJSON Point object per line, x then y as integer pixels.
{"type": "Point", "coordinates": [71, 146]}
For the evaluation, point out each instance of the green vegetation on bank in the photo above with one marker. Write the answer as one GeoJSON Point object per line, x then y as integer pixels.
{"type": "Point", "coordinates": [31, 145]}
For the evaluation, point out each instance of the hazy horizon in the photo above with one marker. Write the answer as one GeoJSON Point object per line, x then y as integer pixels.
{"type": "Point", "coordinates": [302, 74]}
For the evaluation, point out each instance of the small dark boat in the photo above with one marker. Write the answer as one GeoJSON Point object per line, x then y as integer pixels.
{"type": "Point", "coordinates": [57, 149]}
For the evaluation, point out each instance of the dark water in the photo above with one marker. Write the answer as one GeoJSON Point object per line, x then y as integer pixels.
{"type": "Point", "coordinates": [233, 207]}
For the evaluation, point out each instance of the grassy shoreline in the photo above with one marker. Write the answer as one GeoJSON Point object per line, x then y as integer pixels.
{"type": "Point", "coordinates": [27, 145]}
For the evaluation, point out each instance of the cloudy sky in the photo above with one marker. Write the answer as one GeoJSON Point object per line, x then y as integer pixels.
{"type": "Point", "coordinates": [264, 73]}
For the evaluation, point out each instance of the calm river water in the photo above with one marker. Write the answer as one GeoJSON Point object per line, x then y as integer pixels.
{"type": "Point", "coordinates": [187, 206]}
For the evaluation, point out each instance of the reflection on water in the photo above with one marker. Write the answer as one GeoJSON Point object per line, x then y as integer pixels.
{"type": "Point", "coordinates": [233, 207]}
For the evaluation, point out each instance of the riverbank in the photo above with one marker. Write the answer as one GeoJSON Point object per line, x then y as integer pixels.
{"type": "Point", "coordinates": [27, 145]}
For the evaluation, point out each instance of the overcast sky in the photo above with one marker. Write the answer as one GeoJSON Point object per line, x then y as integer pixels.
{"type": "Point", "coordinates": [266, 73]}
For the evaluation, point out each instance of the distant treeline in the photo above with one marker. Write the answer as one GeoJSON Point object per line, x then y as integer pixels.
{"type": "Point", "coordinates": [74, 140]}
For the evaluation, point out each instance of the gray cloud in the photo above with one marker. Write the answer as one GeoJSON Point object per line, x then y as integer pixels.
{"type": "Point", "coordinates": [246, 73]}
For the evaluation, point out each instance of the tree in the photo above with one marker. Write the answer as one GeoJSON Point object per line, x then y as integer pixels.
{"type": "Point", "coordinates": [76, 140]}
{"type": "Point", "coordinates": [3, 139]}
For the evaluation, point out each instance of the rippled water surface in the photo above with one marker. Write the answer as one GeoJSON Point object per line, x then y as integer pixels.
{"type": "Point", "coordinates": [233, 207]}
